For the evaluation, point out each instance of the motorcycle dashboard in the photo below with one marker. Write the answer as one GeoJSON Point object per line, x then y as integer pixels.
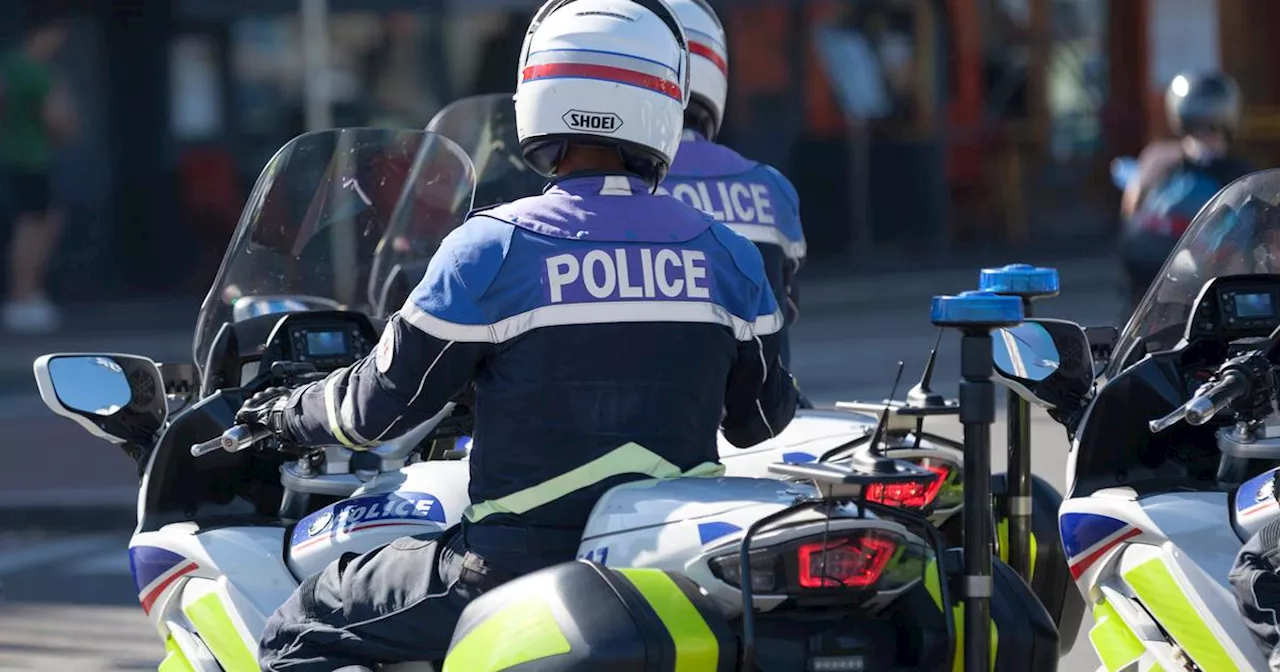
{"type": "Point", "coordinates": [1230, 308]}
{"type": "Point", "coordinates": [328, 340]}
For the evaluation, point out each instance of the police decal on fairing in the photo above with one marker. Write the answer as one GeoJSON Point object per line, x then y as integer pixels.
{"type": "Point", "coordinates": [398, 508]}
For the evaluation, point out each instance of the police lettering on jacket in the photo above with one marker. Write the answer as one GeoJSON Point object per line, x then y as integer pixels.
{"type": "Point", "coordinates": [627, 273]}
{"type": "Point", "coordinates": [728, 202]}
{"type": "Point", "coordinates": [751, 198]}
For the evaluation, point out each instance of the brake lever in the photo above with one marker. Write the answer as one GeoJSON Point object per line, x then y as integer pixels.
{"type": "Point", "coordinates": [1161, 424]}
{"type": "Point", "coordinates": [234, 440]}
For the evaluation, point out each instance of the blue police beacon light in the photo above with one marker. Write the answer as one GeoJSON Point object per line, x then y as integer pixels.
{"type": "Point", "coordinates": [1020, 280]}
{"type": "Point", "coordinates": [976, 309]}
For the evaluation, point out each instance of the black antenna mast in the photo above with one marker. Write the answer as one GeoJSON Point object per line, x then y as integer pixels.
{"type": "Point", "coordinates": [921, 394]}
{"type": "Point", "coordinates": [877, 436]}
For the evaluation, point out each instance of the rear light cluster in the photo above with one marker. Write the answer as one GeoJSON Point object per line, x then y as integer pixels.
{"type": "Point", "coordinates": [943, 492]}
{"type": "Point", "coordinates": [860, 559]}
{"type": "Point", "coordinates": [854, 562]}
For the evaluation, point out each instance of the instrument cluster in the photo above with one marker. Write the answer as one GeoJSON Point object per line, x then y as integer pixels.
{"type": "Point", "coordinates": [327, 340]}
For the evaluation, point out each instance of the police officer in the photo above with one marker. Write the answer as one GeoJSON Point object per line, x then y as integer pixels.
{"type": "Point", "coordinates": [754, 199]}
{"type": "Point", "coordinates": [608, 332]}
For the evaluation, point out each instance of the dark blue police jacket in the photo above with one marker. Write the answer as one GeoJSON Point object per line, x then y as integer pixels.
{"type": "Point", "coordinates": [609, 333]}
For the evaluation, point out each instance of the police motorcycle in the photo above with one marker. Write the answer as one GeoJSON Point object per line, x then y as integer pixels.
{"type": "Point", "coordinates": [484, 126]}
{"type": "Point", "coordinates": [230, 520]}
{"type": "Point", "coordinates": [1174, 447]}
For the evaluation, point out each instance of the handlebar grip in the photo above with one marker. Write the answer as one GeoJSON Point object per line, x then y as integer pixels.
{"type": "Point", "coordinates": [1205, 405]}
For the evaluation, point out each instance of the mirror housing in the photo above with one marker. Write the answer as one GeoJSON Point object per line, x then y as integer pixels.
{"type": "Point", "coordinates": [1102, 342]}
{"type": "Point", "coordinates": [117, 398]}
{"type": "Point", "coordinates": [1063, 390]}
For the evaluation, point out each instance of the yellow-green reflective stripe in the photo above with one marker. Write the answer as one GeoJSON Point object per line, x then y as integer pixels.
{"type": "Point", "coordinates": [933, 584]}
{"type": "Point", "coordinates": [631, 458]}
{"type": "Point", "coordinates": [696, 647]}
{"type": "Point", "coordinates": [1111, 637]}
{"type": "Point", "coordinates": [957, 665]}
{"type": "Point", "coordinates": [1160, 594]}
{"type": "Point", "coordinates": [1002, 540]}
{"type": "Point", "coordinates": [525, 631]}
{"type": "Point", "coordinates": [331, 412]}
{"type": "Point", "coordinates": [174, 660]}
{"type": "Point", "coordinates": [218, 632]}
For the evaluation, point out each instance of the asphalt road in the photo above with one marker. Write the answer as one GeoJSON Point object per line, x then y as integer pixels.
{"type": "Point", "coordinates": [66, 597]}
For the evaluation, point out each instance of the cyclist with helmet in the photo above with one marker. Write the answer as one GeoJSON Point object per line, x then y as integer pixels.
{"type": "Point", "coordinates": [752, 198]}
{"type": "Point", "coordinates": [608, 332]}
{"type": "Point", "coordinates": [1204, 112]}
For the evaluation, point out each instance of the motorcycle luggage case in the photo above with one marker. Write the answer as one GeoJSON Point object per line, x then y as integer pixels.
{"type": "Point", "coordinates": [580, 616]}
{"type": "Point", "coordinates": [1051, 579]}
{"type": "Point", "coordinates": [1024, 635]}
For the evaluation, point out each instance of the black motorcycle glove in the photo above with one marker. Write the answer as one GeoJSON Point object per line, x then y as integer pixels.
{"type": "Point", "coordinates": [265, 410]}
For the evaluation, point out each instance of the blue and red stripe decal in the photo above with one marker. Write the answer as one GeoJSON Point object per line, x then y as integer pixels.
{"type": "Point", "coordinates": [154, 570]}
{"type": "Point", "coordinates": [1086, 537]}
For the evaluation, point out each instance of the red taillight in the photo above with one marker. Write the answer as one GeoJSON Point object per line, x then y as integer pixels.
{"type": "Point", "coordinates": [909, 495]}
{"type": "Point", "coordinates": [853, 562]}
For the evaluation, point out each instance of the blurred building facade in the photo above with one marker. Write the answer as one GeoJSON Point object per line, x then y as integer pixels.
{"type": "Point", "coordinates": [908, 125]}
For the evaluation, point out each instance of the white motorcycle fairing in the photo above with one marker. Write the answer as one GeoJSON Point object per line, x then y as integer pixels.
{"type": "Point", "coordinates": [209, 593]}
{"type": "Point", "coordinates": [1165, 556]}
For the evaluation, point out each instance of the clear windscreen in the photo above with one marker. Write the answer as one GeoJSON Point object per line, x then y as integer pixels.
{"type": "Point", "coordinates": [332, 216]}
{"type": "Point", "coordinates": [485, 127]}
{"type": "Point", "coordinates": [1236, 232]}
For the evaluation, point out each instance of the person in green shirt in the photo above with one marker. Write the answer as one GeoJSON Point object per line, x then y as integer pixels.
{"type": "Point", "coordinates": [35, 117]}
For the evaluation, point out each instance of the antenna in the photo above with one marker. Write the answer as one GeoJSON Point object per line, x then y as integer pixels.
{"type": "Point", "coordinates": [921, 395]}
{"type": "Point", "coordinates": [877, 436]}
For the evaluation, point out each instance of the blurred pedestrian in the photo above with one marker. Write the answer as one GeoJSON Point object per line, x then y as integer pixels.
{"type": "Point", "coordinates": [1175, 178]}
{"type": "Point", "coordinates": [36, 116]}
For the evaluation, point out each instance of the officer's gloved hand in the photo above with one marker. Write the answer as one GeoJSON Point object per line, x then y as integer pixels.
{"type": "Point", "coordinates": [265, 410]}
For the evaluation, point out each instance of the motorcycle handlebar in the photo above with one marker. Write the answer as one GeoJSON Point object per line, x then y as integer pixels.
{"type": "Point", "coordinates": [1206, 403]}
{"type": "Point", "coordinates": [234, 440]}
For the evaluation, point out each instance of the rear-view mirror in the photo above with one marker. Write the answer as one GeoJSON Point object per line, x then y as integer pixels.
{"type": "Point", "coordinates": [1047, 362]}
{"type": "Point", "coordinates": [1025, 353]}
{"type": "Point", "coordinates": [118, 398]}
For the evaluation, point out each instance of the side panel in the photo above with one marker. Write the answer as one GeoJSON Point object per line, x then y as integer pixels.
{"type": "Point", "coordinates": [1196, 612]}
{"type": "Point", "coordinates": [422, 498]}
{"type": "Point", "coordinates": [209, 608]}
{"type": "Point", "coordinates": [1164, 558]}
{"type": "Point", "coordinates": [222, 581]}
{"type": "Point", "coordinates": [1124, 634]}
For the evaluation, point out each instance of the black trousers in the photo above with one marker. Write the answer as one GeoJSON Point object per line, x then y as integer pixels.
{"type": "Point", "coordinates": [397, 603]}
{"type": "Point", "coordinates": [1256, 579]}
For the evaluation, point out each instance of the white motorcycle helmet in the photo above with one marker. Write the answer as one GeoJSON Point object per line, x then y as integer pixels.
{"type": "Point", "coordinates": [610, 73]}
{"type": "Point", "coordinates": [708, 65]}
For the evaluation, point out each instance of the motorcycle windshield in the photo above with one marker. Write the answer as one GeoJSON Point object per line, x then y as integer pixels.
{"type": "Point", "coordinates": [485, 126]}
{"type": "Point", "coordinates": [1237, 231]}
{"type": "Point", "coordinates": [333, 213]}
